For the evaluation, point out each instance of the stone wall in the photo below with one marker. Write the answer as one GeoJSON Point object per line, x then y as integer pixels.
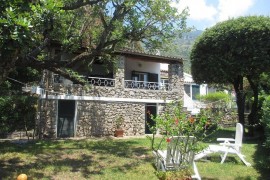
{"type": "Point", "coordinates": [112, 92]}
{"type": "Point", "coordinates": [229, 119]}
{"type": "Point", "coordinates": [97, 118]}
{"type": "Point", "coordinates": [47, 118]}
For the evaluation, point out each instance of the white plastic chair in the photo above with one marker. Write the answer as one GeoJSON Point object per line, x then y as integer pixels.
{"type": "Point", "coordinates": [227, 146]}
{"type": "Point", "coordinates": [179, 155]}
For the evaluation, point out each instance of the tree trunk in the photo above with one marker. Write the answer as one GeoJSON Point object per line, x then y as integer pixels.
{"type": "Point", "coordinates": [25, 125]}
{"type": "Point", "coordinates": [240, 99]}
{"type": "Point", "coordinates": [253, 116]}
{"type": "Point", "coordinates": [7, 61]}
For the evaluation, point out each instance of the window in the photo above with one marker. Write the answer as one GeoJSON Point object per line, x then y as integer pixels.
{"type": "Point", "coordinates": [164, 81]}
{"type": "Point", "coordinates": [187, 89]}
{"type": "Point", "coordinates": [164, 84]}
{"type": "Point", "coordinates": [195, 91]}
{"type": "Point", "coordinates": [139, 76]}
{"type": "Point", "coordinates": [145, 80]}
{"type": "Point", "coordinates": [57, 78]}
{"type": "Point", "coordinates": [192, 90]}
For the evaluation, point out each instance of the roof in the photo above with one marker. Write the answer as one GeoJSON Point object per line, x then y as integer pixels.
{"type": "Point", "coordinates": [148, 56]}
{"type": "Point", "coordinates": [188, 78]}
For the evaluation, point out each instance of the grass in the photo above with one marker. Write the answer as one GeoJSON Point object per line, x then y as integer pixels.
{"type": "Point", "coordinates": [77, 159]}
{"type": "Point", "coordinates": [117, 159]}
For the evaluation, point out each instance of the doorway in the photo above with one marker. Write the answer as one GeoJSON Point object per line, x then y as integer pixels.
{"type": "Point", "coordinates": [150, 109]}
{"type": "Point", "coordinates": [66, 116]}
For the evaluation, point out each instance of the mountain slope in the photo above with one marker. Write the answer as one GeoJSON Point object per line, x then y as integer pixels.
{"type": "Point", "coordinates": [182, 48]}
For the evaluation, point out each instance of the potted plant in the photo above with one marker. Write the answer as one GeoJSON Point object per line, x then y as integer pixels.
{"type": "Point", "coordinates": [119, 132]}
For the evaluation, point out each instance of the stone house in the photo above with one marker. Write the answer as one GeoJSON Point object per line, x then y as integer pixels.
{"type": "Point", "coordinates": [132, 88]}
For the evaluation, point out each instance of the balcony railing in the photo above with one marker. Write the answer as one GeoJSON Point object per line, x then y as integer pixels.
{"type": "Point", "coordinates": [147, 85]}
{"type": "Point", "coordinates": [108, 82]}
{"type": "Point", "coordinates": [97, 81]}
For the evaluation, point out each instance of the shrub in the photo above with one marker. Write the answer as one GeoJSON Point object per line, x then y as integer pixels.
{"type": "Point", "coordinates": [266, 120]}
{"type": "Point", "coordinates": [216, 96]}
{"type": "Point", "coordinates": [17, 113]}
{"type": "Point", "coordinates": [176, 122]}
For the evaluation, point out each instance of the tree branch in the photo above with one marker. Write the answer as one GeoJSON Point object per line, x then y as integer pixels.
{"type": "Point", "coordinates": [38, 50]}
{"type": "Point", "coordinates": [65, 74]}
{"type": "Point", "coordinates": [118, 15]}
{"type": "Point", "coordinates": [103, 19]}
{"type": "Point", "coordinates": [81, 57]}
{"type": "Point", "coordinates": [34, 63]}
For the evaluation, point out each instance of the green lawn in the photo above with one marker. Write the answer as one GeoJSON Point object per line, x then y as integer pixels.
{"type": "Point", "coordinates": [116, 159]}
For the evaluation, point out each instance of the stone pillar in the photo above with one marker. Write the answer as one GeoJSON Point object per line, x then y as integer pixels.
{"type": "Point", "coordinates": [47, 79]}
{"type": "Point", "coordinates": [175, 73]}
{"type": "Point", "coordinates": [119, 74]}
{"type": "Point", "coordinates": [47, 119]}
{"type": "Point", "coordinates": [176, 78]}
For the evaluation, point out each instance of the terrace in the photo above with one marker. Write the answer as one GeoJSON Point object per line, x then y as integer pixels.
{"type": "Point", "coordinates": [136, 72]}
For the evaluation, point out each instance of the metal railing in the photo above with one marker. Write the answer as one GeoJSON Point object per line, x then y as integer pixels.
{"type": "Point", "coordinates": [97, 81]}
{"type": "Point", "coordinates": [109, 82]}
{"type": "Point", "coordinates": [147, 85]}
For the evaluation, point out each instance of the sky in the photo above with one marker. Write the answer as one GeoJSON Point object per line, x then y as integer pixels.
{"type": "Point", "coordinates": [206, 13]}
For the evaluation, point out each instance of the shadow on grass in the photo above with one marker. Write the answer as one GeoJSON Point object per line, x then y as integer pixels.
{"type": "Point", "coordinates": [261, 157]}
{"type": "Point", "coordinates": [87, 157]}
{"type": "Point", "coordinates": [262, 160]}
{"type": "Point", "coordinates": [220, 133]}
{"type": "Point", "coordinates": [39, 161]}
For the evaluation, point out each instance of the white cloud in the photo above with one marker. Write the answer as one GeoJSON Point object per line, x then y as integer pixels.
{"type": "Point", "coordinates": [209, 13]}
{"type": "Point", "coordinates": [198, 9]}
{"type": "Point", "coordinates": [233, 8]}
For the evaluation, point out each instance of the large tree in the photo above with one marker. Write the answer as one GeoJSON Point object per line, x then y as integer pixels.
{"type": "Point", "coordinates": [30, 31]}
{"type": "Point", "coordinates": [231, 51]}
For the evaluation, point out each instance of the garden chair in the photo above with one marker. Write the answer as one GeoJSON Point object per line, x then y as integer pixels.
{"type": "Point", "coordinates": [227, 146]}
{"type": "Point", "coordinates": [179, 155]}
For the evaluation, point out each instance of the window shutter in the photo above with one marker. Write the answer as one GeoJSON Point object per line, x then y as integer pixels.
{"type": "Point", "coordinates": [153, 77]}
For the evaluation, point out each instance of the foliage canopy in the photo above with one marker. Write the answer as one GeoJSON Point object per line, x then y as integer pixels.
{"type": "Point", "coordinates": [232, 51]}
{"type": "Point", "coordinates": [237, 47]}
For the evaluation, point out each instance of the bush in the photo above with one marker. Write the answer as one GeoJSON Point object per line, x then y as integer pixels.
{"type": "Point", "coordinates": [17, 113]}
{"type": "Point", "coordinates": [174, 121]}
{"type": "Point", "coordinates": [266, 120]}
{"type": "Point", "coordinates": [217, 96]}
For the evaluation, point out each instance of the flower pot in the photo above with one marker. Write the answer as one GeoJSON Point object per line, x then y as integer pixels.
{"type": "Point", "coordinates": [119, 133]}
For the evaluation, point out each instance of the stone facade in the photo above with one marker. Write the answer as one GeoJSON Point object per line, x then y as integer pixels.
{"type": "Point", "coordinates": [47, 118]}
{"type": "Point", "coordinates": [96, 117]}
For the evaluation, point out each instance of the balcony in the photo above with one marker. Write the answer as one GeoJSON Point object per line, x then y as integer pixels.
{"type": "Point", "coordinates": [109, 82]}
{"type": "Point", "coordinates": [131, 84]}
{"type": "Point", "coordinates": [97, 81]}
